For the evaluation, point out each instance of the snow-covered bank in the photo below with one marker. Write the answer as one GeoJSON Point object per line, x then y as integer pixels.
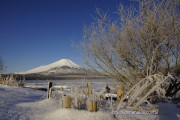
{"type": "Point", "coordinates": [10, 97]}
{"type": "Point", "coordinates": [27, 104]}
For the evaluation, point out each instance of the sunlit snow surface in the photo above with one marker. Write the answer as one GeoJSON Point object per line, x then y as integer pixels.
{"type": "Point", "coordinates": [27, 104]}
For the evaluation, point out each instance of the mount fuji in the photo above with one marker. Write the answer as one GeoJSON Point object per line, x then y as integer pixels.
{"type": "Point", "coordinates": [63, 66]}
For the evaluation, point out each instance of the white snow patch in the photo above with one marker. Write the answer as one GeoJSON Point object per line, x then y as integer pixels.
{"type": "Point", "coordinates": [72, 114]}
{"type": "Point", "coordinates": [168, 112]}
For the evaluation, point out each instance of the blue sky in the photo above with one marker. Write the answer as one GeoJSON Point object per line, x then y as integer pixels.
{"type": "Point", "coordinates": [39, 32]}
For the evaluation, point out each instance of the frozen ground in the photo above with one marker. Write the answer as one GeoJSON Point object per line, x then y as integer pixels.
{"type": "Point", "coordinates": [27, 104]}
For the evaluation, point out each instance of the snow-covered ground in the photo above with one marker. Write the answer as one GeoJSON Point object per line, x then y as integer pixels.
{"type": "Point", "coordinates": [27, 104]}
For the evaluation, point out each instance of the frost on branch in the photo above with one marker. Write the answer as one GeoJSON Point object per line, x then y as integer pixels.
{"type": "Point", "coordinates": [141, 92]}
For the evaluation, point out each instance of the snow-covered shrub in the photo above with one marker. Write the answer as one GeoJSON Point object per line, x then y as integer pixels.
{"type": "Point", "coordinates": [78, 98]}
{"type": "Point", "coordinates": [11, 81]}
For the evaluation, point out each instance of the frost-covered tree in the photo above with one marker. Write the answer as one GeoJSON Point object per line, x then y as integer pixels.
{"type": "Point", "coordinates": [143, 41]}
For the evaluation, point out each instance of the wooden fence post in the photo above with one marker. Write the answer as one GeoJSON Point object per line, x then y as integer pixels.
{"type": "Point", "coordinates": [61, 89]}
{"type": "Point", "coordinates": [91, 106]}
{"type": "Point", "coordinates": [120, 92]}
{"type": "Point", "coordinates": [66, 101]}
{"type": "Point", "coordinates": [49, 89]}
{"type": "Point", "coordinates": [89, 91]}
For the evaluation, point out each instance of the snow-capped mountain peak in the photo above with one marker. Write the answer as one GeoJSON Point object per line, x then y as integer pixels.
{"type": "Point", "coordinates": [58, 64]}
{"type": "Point", "coordinates": [64, 62]}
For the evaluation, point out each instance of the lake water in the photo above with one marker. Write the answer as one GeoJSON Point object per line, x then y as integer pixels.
{"type": "Point", "coordinates": [96, 84]}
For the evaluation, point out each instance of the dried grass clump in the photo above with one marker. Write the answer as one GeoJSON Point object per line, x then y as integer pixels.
{"type": "Point", "coordinates": [142, 91]}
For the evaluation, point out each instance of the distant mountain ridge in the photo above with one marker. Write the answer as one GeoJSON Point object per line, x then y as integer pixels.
{"type": "Point", "coordinates": [63, 66]}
